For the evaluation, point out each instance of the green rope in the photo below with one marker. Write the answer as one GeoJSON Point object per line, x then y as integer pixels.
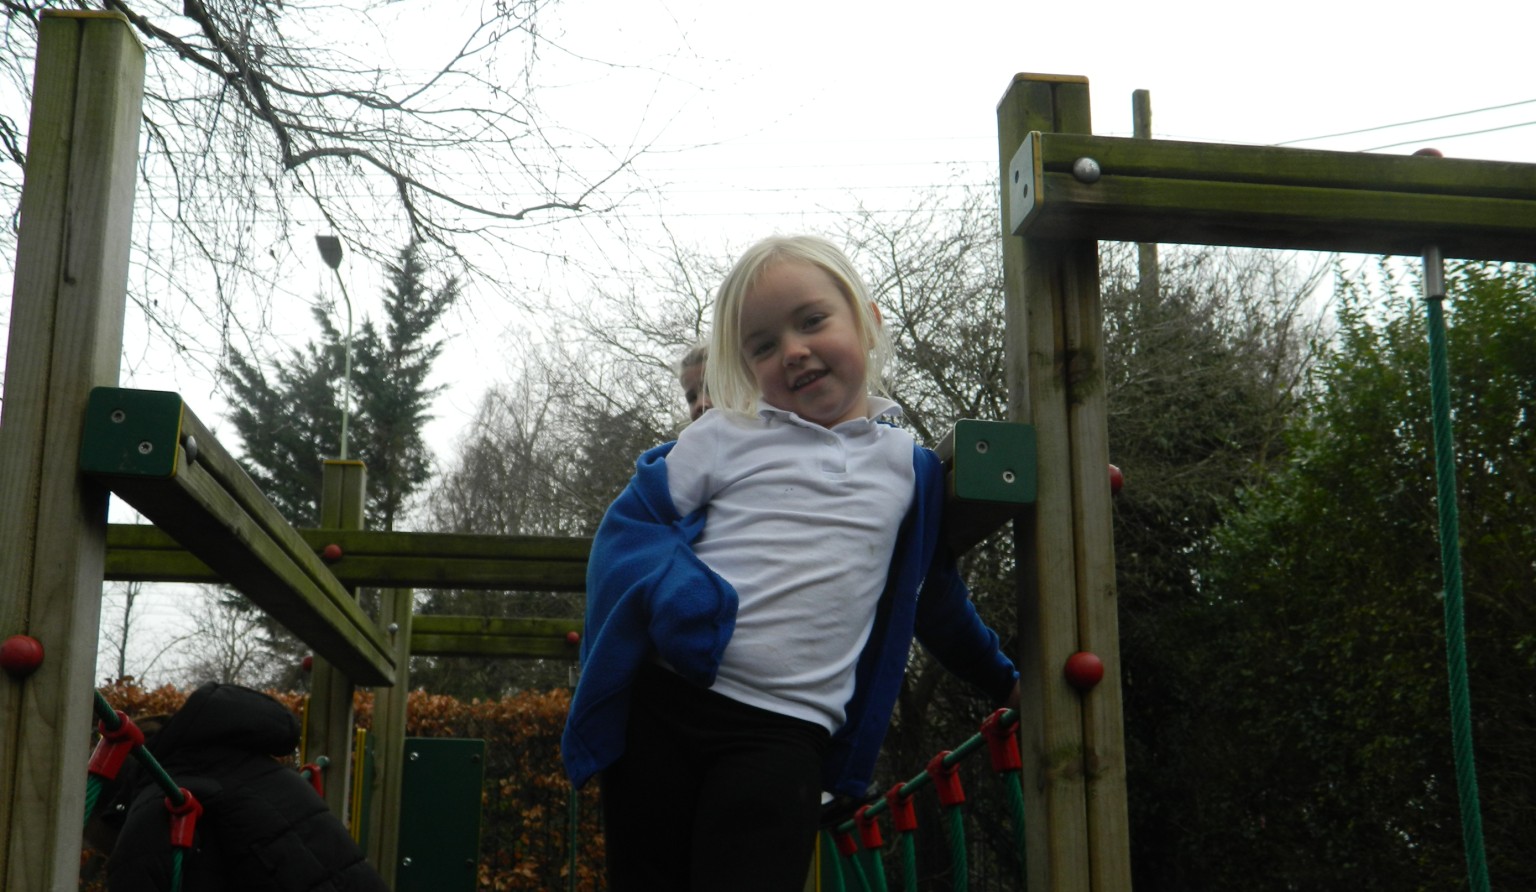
{"type": "Point", "coordinates": [1014, 787]}
{"type": "Point", "coordinates": [830, 856]}
{"type": "Point", "coordinates": [1450, 567]}
{"type": "Point", "coordinates": [92, 792]}
{"type": "Point", "coordinates": [954, 829]}
{"type": "Point", "coordinates": [876, 870]}
{"type": "Point", "coordinates": [858, 871]}
{"type": "Point", "coordinates": [109, 719]}
{"type": "Point", "coordinates": [176, 870]}
{"type": "Point", "coordinates": [908, 848]}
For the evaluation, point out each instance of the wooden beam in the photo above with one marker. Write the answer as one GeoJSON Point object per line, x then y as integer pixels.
{"type": "Point", "coordinates": [1149, 190]}
{"type": "Point", "coordinates": [154, 453]}
{"type": "Point", "coordinates": [66, 336]}
{"type": "Point", "coordinates": [143, 552]}
{"type": "Point", "coordinates": [522, 638]}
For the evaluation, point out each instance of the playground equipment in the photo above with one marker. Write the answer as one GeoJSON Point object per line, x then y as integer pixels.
{"type": "Point", "coordinates": [1064, 190]}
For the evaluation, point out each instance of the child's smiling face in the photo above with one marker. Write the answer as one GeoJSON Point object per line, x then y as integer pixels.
{"type": "Point", "coordinates": [802, 343]}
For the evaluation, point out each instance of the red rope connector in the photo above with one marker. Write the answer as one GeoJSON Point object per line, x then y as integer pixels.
{"type": "Point", "coordinates": [316, 777]}
{"type": "Point", "coordinates": [903, 816]}
{"type": "Point", "coordinates": [1002, 743]}
{"type": "Point", "coordinates": [869, 829]}
{"type": "Point", "coordinates": [183, 818]}
{"type": "Point", "coordinates": [847, 846]}
{"type": "Point", "coordinates": [946, 781]}
{"type": "Point", "coordinates": [114, 747]}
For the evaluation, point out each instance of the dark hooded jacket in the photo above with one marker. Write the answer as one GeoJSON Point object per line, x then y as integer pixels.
{"type": "Point", "coordinates": [263, 826]}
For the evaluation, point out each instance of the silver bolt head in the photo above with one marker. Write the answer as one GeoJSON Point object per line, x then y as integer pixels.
{"type": "Point", "coordinates": [1086, 170]}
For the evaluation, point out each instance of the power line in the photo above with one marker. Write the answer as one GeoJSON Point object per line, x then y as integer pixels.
{"type": "Point", "coordinates": [1450, 136]}
{"type": "Point", "coordinates": [1418, 121]}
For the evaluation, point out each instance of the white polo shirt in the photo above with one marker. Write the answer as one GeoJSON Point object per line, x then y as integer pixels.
{"type": "Point", "coordinates": [802, 521]}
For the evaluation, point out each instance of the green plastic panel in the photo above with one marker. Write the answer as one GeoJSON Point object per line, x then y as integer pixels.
{"type": "Point", "coordinates": [440, 795]}
{"type": "Point", "coordinates": [994, 461]}
{"type": "Point", "coordinates": [131, 433]}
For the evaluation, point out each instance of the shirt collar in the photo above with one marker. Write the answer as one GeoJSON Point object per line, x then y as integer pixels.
{"type": "Point", "coordinates": [881, 410]}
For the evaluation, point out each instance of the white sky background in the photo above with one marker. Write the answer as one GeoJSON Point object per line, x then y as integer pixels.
{"type": "Point", "coordinates": [789, 116]}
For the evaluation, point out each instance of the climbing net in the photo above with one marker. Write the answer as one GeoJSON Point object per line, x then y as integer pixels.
{"type": "Point", "coordinates": [861, 846]}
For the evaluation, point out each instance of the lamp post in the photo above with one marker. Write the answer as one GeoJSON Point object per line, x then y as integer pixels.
{"type": "Point", "coordinates": [330, 252]}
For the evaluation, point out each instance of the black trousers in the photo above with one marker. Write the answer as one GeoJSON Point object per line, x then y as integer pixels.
{"type": "Point", "coordinates": [710, 794]}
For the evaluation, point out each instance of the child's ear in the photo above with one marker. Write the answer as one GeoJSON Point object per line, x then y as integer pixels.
{"type": "Point", "coordinates": [875, 308]}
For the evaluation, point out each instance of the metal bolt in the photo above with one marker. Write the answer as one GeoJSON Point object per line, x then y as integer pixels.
{"type": "Point", "coordinates": [189, 443]}
{"type": "Point", "coordinates": [414, 755]}
{"type": "Point", "coordinates": [982, 447]}
{"type": "Point", "coordinates": [1086, 170]}
{"type": "Point", "coordinates": [146, 447]}
{"type": "Point", "coordinates": [406, 861]}
{"type": "Point", "coordinates": [119, 416]}
{"type": "Point", "coordinates": [1008, 477]}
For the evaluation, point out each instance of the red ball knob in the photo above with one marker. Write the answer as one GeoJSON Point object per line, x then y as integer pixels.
{"type": "Point", "coordinates": [331, 553]}
{"type": "Point", "coordinates": [1116, 480]}
{"type": "Point", "coordinates": [308, 663]}
{"type": "Point", "coordinates": [1430, 152]}
{"type": "Point", "coordinates": [20, 656]}
{"type": "Point", "coordinates": [572, 637]}
{"type": "Point", "coordinates": [1084, 670]}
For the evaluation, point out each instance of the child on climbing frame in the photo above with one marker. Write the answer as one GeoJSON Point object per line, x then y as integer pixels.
{"type": "Point", "coordinates": [690, 375]}
{"type": "Point", "coordinates": [753, 593]}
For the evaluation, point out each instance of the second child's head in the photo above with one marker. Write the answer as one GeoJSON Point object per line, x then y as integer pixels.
{"type": "Point", "coordinates": [794, 326]}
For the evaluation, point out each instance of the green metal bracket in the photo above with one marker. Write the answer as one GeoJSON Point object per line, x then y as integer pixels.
{"type": "Point", "coordinates": [991, 461]}
{"type": "Point", "coordinates": [131, 433]}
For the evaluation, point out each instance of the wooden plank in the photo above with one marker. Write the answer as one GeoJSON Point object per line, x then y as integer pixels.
{"type": "Point", "coordinates": [1292, 199]}
{"type": "Point", "coordinates": [1098, 623]}
{"type": "Point", "coordinates": [213, 509]}
{"type": "Point", "coordinates": [519, 638]}
{"type": "Point", "coordinates": [1051, 730]}
{"type": "Point", "coordinates": [389, 714]}
{"type": "Point", "coordinates": [371, 559]}
{"type": "Point", "coordinates": [65, 336]}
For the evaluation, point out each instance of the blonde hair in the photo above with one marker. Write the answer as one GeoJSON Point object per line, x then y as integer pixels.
{"type": "Point", "coordinates": [728, 377]}
{"type": "Point", "coordinates": [697, 355]}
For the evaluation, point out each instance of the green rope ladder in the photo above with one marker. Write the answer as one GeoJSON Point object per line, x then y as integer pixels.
{"type": "Point", "coordinates": [859, 841]}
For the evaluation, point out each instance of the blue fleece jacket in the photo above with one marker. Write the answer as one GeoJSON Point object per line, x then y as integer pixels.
{"type": "Point", "coordinates": [649, 595]}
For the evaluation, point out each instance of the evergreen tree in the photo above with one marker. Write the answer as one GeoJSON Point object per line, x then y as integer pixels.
{"type": "Point", "coordinates": [289, 416]}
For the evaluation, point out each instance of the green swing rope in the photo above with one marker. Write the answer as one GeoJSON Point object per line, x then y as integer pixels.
{"type": "Point", "coordinates": [1450, 568]}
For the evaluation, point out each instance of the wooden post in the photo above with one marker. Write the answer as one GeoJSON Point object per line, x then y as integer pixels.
{"type": "Point", "coordinates": [1148, 283]}
{"type": "Point", "coordinates": [66, 337]}
{"type": "Point", "coordinates": [1077, 830]}
{"type": "Point", "coordinates": [343, 488]}
{"type": "Point", "coordinates": [389, 708]}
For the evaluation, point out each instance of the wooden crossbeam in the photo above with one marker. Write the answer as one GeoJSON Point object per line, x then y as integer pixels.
{"type": "Point", "coordinates": [1147, 190]}
{"type": "Point", "coordinates": [151, 450]}
{"type": "Point", "coordinates": [525, 638]}
{"type": "Point", "coordinates": [140, 552]}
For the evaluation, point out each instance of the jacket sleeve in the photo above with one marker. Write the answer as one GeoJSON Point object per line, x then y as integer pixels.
{"type": "Point", "coordinates": [949, 627]}
{"type": "Point", "coordinates": [947, 623]}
